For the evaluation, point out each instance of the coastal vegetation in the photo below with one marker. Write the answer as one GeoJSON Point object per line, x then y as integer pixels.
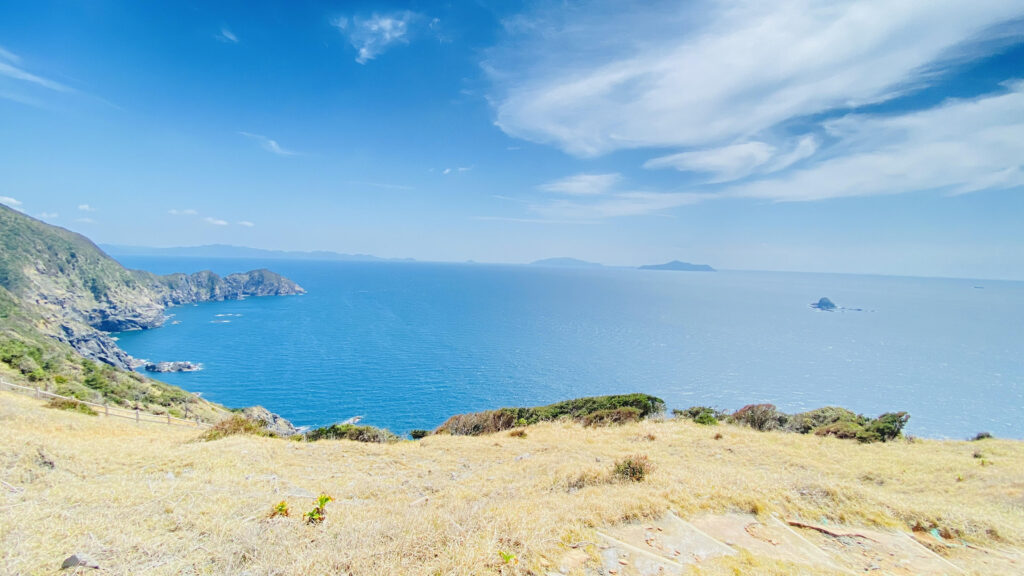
{"type": "Point", "coordinates": [149, 499]}
{"type": "Point", "coordinates": [593, 409]}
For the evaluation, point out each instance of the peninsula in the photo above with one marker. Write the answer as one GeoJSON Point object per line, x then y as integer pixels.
{"type": "Point", "coordinates": [61, 296]}
{"type": "Point", "coordinates": [678, 266]}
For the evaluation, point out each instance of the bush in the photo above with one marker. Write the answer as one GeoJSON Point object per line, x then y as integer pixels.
{"type": "Point", "coordinates": [71, 406]}
{"type": "Point", "coordinates": [633, 468]}
{"type": "Point", "coordinates": [352, 432]}
{"type": "Point", "coordinates": [982, 436]}
{"type": "Point", "coordinates": [886, 427]}
{"type": "Point", "coordinates": [518, 433]}
{"type": "Point", "coordinates": [577, 409]}
{"type": "Point", "coordinates": [699, 414]}
{"type": "Point", "coordinates": [610, 417]}
{"type": "Point", "coordinates": [477, 423]}
{"type": "Point", "coordinates": [761, 417]}
{"type": "Point", "coordinates": [233, 425]}
{"type": "Point", "coordinates": [807, 422]}
{"type": "Point", "coordinates": [419, 434]}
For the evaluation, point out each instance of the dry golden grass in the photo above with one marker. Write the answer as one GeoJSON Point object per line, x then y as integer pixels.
{"type": "Point", "coordinates": [148, 499]}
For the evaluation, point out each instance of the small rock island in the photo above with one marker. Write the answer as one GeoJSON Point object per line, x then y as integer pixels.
{"type": "Point", "coordinates": [824, 304]}
{"type": "Point", "coordinates": [678, 266]}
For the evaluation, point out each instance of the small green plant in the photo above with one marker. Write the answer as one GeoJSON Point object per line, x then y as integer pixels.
{"type": "Point", "coordinates": [319, 512]}
{"type": "Point", "coordinates": [281, 509]}
{"type": "Point", "coordinates": [508, 557]}
{"type": "Point", "coordinates": [633, 468]}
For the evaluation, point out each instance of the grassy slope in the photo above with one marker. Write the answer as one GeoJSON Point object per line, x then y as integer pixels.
{"type": "Point", "coordinates": [151, 500]}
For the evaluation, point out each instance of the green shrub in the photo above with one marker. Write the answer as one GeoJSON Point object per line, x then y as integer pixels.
{"type": "Point", "coordinates": [491, 421]}
{"type": "Point", "coordinates": [633, 468]}
{"type": "Point", "coordinates": [352, 432]}
{"type": "Point", "coordinates": [419, 434]}
{"type": "Point", "coordinates": [700, 414]}
{"type": "Point", "coordinates": [233, 425]}
{"type": "Point", "coordinates": [982, 436]}
{"type": "Point", "coordinates": [610, 417]}
{"type": "Point", "coordinates": [70, 406]}
{"type": "Point", "coordinates": [807, 422]}
{"type": "Point", "coordinates": [886, 427]}
{"type": "Point", "coordinates": [761, 417]}
{"type": "Point", "coordinates": [843, 429]}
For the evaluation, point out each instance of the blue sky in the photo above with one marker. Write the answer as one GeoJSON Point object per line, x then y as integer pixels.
{"type": "Point", "coordinates": [868, 137]}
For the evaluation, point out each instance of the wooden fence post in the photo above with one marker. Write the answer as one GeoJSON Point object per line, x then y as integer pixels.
{"type": "Point", "coordinates": [106, 409]}
{"type": "Point", "coordinates": [136, 415]}
{"type": "Point", "coordinates": [168, 418]}
{"type": "Point", "coordinates": [37, 391]}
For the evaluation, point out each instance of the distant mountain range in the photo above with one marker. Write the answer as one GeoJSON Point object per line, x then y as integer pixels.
{"type": "Point", "coordinates": [679, 266]}
{"type": "Point", "coordinates": [566, 263]}
{"type": "Point", "coordinates": [242, 252]}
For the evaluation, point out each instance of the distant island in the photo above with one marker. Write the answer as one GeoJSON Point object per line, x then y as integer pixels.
{"type": "Point", "coordinates": [566, 263]}
{"type": "Point", "coordinates": [678, 266]}
{"type": "Point", "coordinates": [241, 252]}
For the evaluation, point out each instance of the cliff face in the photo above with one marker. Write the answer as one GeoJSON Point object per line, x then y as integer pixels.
{"type": "Point", "coordinates": [75, 293]}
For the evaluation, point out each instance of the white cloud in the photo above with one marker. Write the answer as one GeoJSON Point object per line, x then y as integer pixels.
{"type": "Point", "coordinates": [583, 184]}
{"type": "Point", "coordinates": [962, 146]}
{"type": "Point", "coordinates": [9, 66]}
{"type": "Point", "coordinates": [86, 208]}
{"type": "Point", "coordinates": [49, 215]}
{"type": "Point", "coordinates": [215, 221]}
{"type": "Point", "coordinates": [706, 74]}
{"type": "Point", "coordinates": [616, 205]}
{"type": "Point", "coordinates": [246, 223]}
{"type": "Point", "coordinates": [737, 161]}
{"type": "Point", "coordinates": [372, 36]}
{"type": "Point", "coordinates": [185, 212]}
{"type": "Point", "coordinates": [269, 145]}
{"type": "Point", "coordinates": [446, 171]}
{"type": "Point", "coordinates": [226, 35]}
{"type": "Point", "coordinates": [12, 202]}
{"type": "Point", "coordinates": [9, 56]}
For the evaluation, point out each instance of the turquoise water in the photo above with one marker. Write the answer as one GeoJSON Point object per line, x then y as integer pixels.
{"type": "Point", "coordinates": [408, 344]}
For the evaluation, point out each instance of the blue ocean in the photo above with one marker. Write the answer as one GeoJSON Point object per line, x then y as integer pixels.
{"type": "Point", "coordinates": [405, 345]}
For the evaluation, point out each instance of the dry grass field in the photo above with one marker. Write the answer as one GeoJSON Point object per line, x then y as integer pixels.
{"type": "Point", "coordinates": [150, 499]}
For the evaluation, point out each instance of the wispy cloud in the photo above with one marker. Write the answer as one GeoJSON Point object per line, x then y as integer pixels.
{"type": "Point", "coordinates": [245, 223]}
{"type": "Point", "coordinates": [227, 36]}
{"type": "Point", "coordinates": [12, 202]}
{"type": "Point", "coordinates": [269, 145]}
{"type": "Point", "coordinates": [10, 66]}
{"type": "Point", "coordinates": [962, 146]}
{"type": "Point", "coordinates": [737, 161]}
{"type": "Point", "coordinates": [215, 221]}
{"type": "Point", "coordinates": [185, 212]}
{"type": "Point", "coordinates": [85, 220]}
{"type": "Point", "coordinates": [715, 73]}
{"type": "Point", "coordinates": [372, 36]}
{"type": "Point", "coordinates": [583, 184]}
{"type": "Point", "coordinates": [616, 205]}
{"type": "Point", "coordinates": [86, 208]}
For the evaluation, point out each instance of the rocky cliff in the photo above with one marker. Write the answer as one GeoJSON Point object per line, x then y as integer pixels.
{"type": "Point", "coordinates": [75, 293]}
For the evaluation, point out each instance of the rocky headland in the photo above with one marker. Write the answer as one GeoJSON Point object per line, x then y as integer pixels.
{"type": "Point", "coordinates": [77, 295]}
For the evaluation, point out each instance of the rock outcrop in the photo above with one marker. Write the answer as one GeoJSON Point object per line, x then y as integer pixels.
{"type": "Point", "coordinates": [178, 366]}
{"type": "Point", "coordinates": [272, 422]}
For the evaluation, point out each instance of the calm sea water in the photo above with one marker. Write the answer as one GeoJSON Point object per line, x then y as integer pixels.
{"type": "Point", "coordinates": [407, 344]}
